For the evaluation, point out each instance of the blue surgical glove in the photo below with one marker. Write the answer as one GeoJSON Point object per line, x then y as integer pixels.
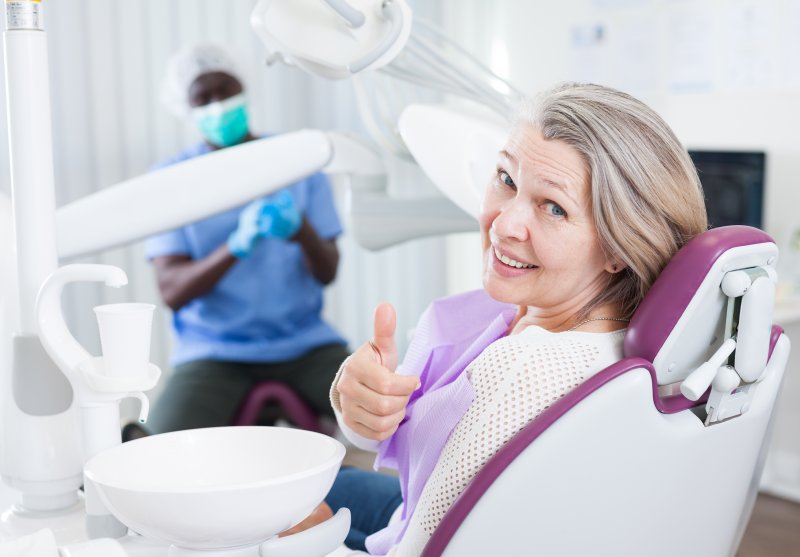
{"type": "Point", "coordinates": [280, 217]}
{"type": "Point", "coordinates": [242, 240]}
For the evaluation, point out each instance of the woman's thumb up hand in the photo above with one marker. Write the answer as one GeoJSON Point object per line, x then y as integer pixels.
{"type": "Point", "coordinates": [373, 397]}
{"type": "Point", "coordinates": [384, 328]}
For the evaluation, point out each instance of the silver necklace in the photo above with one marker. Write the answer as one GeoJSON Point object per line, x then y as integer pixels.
{"type": "Point", "coordinates": [584, 322]}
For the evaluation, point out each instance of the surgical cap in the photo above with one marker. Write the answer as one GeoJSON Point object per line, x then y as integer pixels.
{"type": "Point", "coordinates": [188, 64]}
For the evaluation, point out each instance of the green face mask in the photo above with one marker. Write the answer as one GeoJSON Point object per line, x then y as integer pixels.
{"type": "Point", "coordinates": [223, 123]}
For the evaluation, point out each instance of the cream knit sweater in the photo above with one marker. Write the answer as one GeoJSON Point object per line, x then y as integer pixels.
{"type": "Point", "coordinates": [515, 379]}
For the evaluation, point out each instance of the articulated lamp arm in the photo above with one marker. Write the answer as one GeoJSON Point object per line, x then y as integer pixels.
{"type": "Point", "coordinates": [188, 191]}
{"type": "Point", "coordinates": [198, 188]}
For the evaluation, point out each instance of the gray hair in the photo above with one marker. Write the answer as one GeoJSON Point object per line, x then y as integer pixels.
{"type": "Point", "coordinates": [647, 201]}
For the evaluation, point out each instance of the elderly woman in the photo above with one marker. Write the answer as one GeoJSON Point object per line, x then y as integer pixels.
{"type": "Point", "coordinates": [592, 196]}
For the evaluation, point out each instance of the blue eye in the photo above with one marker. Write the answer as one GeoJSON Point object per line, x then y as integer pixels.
{"type": "Point", "coordinates": [555, 210]}
{"type": "Point", "coordinates": [505, 178]}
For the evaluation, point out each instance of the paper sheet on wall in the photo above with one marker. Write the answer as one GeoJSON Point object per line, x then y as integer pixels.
{"type": "Point", "coordinates": [790, 45]}
{"type": "Point", "coordinates": [589, 50]}
{"type": "Point", "coordinates": [749, 46]}
{"type": "Point", "coordinates": [690, 56]}
{"type": "Point", "coordinates": [635, 58]}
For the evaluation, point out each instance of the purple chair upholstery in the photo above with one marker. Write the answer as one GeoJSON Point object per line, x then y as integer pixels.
{"type": "Point", "coordinates": [671, 293]}
{"type": "Point", "coordinates": [650, 326]}
{"type": "Point", "coordinates": [295, 408]}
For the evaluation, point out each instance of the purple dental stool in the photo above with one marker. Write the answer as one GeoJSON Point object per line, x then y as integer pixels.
{"type": "Point", "coordinates": [294, 408]}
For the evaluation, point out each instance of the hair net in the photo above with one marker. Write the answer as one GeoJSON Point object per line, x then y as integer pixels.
{"type": "Point", "coordinates": [188, 64]}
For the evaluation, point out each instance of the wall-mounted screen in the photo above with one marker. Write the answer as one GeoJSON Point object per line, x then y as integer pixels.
{"type": "Point", "coordinates": [733, 183]}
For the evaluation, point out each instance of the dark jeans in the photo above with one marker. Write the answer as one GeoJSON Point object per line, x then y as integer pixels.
{"type": "Point", "coordinates": [371, 498]}
{"type": "Point", "coordinates": [208, 393]}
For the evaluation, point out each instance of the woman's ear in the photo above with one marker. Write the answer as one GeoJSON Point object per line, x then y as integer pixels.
{"type": "Point", "coordinates": [613, 266]}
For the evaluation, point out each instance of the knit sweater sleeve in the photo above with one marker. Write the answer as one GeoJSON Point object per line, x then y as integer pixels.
{"type": "Point", "coordinates": [515, 379]}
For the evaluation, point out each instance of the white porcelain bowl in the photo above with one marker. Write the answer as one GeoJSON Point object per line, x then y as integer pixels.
{"type": "Point", "coordinates": [219, 487]}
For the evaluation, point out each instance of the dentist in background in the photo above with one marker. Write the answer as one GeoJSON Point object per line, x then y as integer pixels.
{"type": "Point", "coordinates": [245, 285]}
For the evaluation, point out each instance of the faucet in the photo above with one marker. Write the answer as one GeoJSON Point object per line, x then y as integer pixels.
{"type": "Point", "coordinates": [59, 343]}
{"type": "Point", "coordinates": [97, 395]}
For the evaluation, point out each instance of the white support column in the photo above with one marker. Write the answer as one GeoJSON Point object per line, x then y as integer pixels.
{"type": "Point", "coordinates": [31, 155]}
{"type": "Point", "coordinates": [41, 455]}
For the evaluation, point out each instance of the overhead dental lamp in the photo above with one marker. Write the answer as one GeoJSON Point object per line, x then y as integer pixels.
{"type": "Point", "coordinates": [392, 69]}
{"type": "Point", "coordinates": [335, 39]}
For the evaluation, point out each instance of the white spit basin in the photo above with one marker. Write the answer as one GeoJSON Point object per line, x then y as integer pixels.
{"type": "Point", "coordinates": [216, 488]}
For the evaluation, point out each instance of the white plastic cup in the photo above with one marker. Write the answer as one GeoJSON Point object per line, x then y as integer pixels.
{"type": "Point", "coordinates": [125, 337]}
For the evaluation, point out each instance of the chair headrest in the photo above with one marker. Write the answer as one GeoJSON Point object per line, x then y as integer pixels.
{"type": "Point", "coordinates": [681, 320]}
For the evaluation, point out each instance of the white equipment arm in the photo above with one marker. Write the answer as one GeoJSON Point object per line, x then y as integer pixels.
{"type": "Point", "coordinates": [187, 192]}
{"type": "Point", "coordinates": [380, 221]}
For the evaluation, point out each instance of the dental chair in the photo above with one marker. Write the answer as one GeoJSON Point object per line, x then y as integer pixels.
{"type": "Point", "coordinates": [627, 465]}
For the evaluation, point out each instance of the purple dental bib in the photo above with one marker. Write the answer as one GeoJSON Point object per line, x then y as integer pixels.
{"type": "Point", "coordinates": [451, 333]}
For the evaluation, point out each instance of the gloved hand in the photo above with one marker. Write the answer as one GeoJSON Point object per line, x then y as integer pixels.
{"type": "Point", "coordinates": [280, 218]}
{"type": "Point", "coordinates": [242, 240]}
{"type": "Point", "coordinates": [276, 216]}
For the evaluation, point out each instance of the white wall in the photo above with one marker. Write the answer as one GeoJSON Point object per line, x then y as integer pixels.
{"type": "Point", "coordinates": [725, 74]}
{"type": "Point", "coordinates": [106, 62]}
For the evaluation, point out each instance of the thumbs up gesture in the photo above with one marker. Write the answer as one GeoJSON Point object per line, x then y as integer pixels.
{"type": "Point", "coordinates": [372, 396]}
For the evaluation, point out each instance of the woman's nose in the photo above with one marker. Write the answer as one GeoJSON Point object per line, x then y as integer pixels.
{"type": "Point", "coordinates": [512, 221]}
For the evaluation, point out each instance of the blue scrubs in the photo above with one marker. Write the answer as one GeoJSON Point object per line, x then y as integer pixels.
{"type": "Point", "coordinates": [261, 322]}
{"type": "Point", "coordinates": [267, 307]}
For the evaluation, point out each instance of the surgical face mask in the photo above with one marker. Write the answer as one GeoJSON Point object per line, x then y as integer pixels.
{"type": "Point", "coordinates": [223, 123]}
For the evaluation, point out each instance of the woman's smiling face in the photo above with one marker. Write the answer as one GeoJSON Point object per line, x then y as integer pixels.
{"type": "Point", "coordinates": [541, 248]}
